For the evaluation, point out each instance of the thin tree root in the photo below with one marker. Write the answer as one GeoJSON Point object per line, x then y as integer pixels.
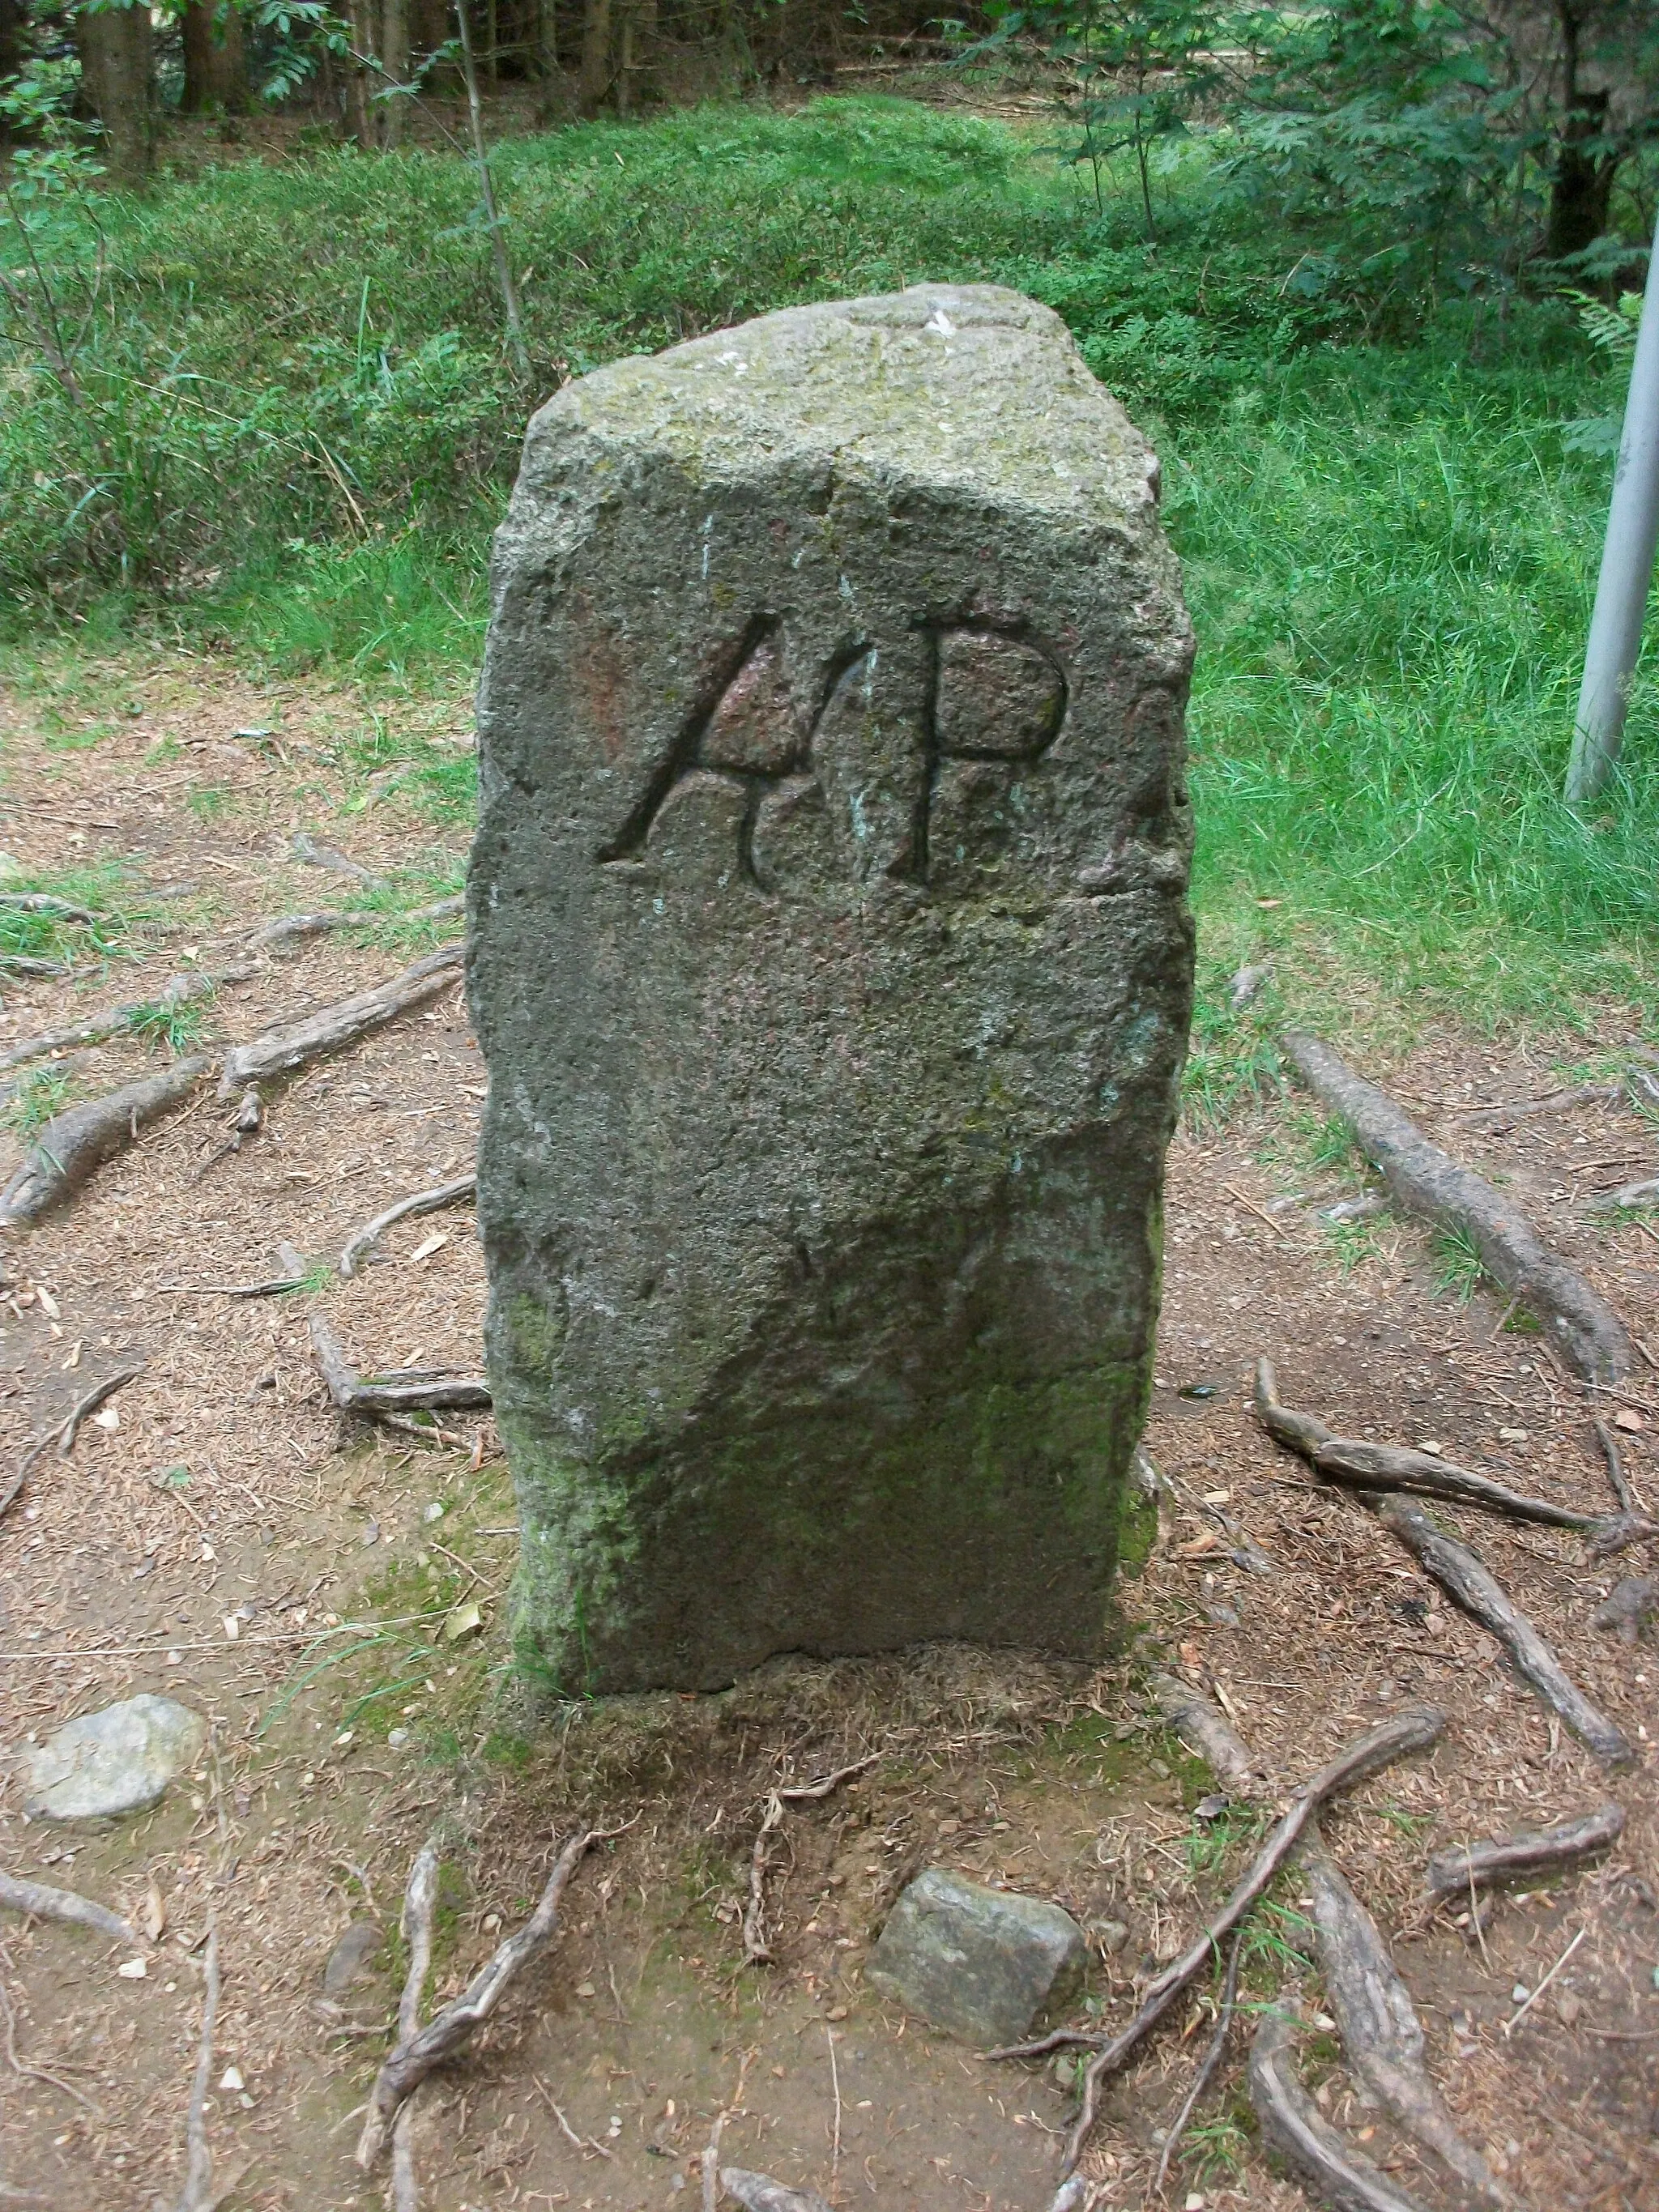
{"type": "Point", "coordinates": [1202, 1730]}
{"type": "Point", "coordinates": [1413, 1729]}
{"type": "Point", "coordinates": [198, 2192]}
{"type": "Point", "coordinates": [1206, 2065]}
{"type": "Point", "coordinates": [414, 2057]}
{"type": "Point", "coordinates": [759, 2193]}
{"type": "Point", "coordinates": [404, 1392]}
{"type": "Point", "coordinates": [425, 1201]}
{"type": "Point", "coordinates": [755, 1948]}
{"type": "Point", "coordinates": [1464, 1578]}
{"type": "Point", "coordinates": [420, 1901]}
{"type": "Point", "coordinates": [66, 1431]}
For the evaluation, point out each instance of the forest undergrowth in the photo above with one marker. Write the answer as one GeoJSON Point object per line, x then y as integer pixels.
{"type": "Point", "coordinates": [295, 423]}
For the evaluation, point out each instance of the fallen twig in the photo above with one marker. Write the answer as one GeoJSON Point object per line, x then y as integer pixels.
{"type": "Point", "coordinates": [66, 1431]}
{"type": "Point", "coordinates": [755, 1948]}
{"type": "Point", "coordinates": [41, 1902]}
{"type": "Point", "coordinates": [424, 1201]}
{"type": "Point", "coordinates": [1531, 1999]}
{"type": "Point", "coordinates": [1378, 2024]}
{"type": "Point", "coordinates": [1428, 1181]}
{"type": "Point", "coordinates": [1206, 2065]}
{"type": "Point", "coordinates": [76, 1142]}
{"type": "Point", "coordinates": [352, 1394]}
{"type": "Point", "coordinates": [1203, 1730]}
{"type": "Point", "coordinates": [759, 2193]}
{"type": "Point", "coordinates": [198, 2196]}
{"type": "Point", "coordinates": [1338, 2175]}
{"type": "Point", "coordinates": [1463, 1576]}
{"type": "Point", "coordinates": [420, 1900]}
{"type": "Point", "coordinates": [294, 1044]}
{"type": "Point", "coordinates": [414, 2057]}
{"type": "Point", "coordinates": [1412, 1730]}
{"type": "Point", "coordinates": [1527, 1854]}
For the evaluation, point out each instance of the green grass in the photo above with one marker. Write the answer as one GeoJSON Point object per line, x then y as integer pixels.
{"type": "Point", "coordinates": [1389, 556]}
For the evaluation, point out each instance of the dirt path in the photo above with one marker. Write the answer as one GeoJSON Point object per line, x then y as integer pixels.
{"type": "Point", "coordinates": [220, 1535]}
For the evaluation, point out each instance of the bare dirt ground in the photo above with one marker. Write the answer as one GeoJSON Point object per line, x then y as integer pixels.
{"type": "Point", "coordinates": [220, 1535]}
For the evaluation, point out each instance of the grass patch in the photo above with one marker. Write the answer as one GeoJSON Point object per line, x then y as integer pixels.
{"type": "Point", "coordinates": [41, 1093]}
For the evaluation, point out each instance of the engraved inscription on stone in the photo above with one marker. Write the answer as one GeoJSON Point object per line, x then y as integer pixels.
{"type": "Point", "coordinates": [752, 788]}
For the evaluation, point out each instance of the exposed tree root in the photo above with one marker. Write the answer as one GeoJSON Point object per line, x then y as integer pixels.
{"type": "Point", "coordinates": [1526, 1855]}
{"type": "Point", "coordinates": [759, 2193]}
{"type": "Point", "coordinates": [198, 2192]}
{"type": "Point", "coordinates": [66, 1431]}
{"type": "Point", "coordinates": [420, 1901]}
{"type": "Point", "coordinates": [755, 1948]}
{"type": "Point", "coordinates": [293, 928]}
{"type": "Point", "coordinates": [399, 1393]}
{"type": "Point", "coordinates": [1413, 1729]}
{"type": "Point", "coordinates": [1336, 2174]}
{"type": "Point", "coordinates": [1499, 1118]}
{"type": "Point", "coordinates": [1206, 2065]}
{"type": "Point", "coordinates": [1630, 1605]}
{"type": "Point", "coordinates": [289, 1045]}
{"type": "Point", "coordinates": [1623, 1200]}
{"type": "Point", "coordinates": [425, 1201]}
{"type": "Point", "coordinates": [1463, 1576]}
{"type": "Point", "coordinates": [74, 1143]}
{"type": "Point", "coordinates": [177, 990]}
{"type": "Point", "coordinates": [1621, 1489]}
{"type": "Point", "coordinates": [1358, 1464]}
{"type": "Point", "coordinates": [1378, 2024]}
{"type": "Point", "coordinates": [1427, 1182]}
{"type": "Point", "coordinates": [41, 1902]}
{"type": "Point", "coordinates": [1202, 1730]}
{"type": "Point", "coordinates": [414, 2057]}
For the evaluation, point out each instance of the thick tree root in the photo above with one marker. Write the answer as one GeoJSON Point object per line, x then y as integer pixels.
{"type": "Point", "coordinates": [414, 2057]}
{"type": "Point", "coordinates": [420, 1902]}
{"type": "Point", "coordinates": [120, 1020]}
{"type": "Point", "coordinates": [1528, 1854]}
{"type": "Point", "coordinates": [1335, 2174]}
{"type": "Point", "coordinates": [1463, 1576]}
{"type": "Point", "coordinates": [41, 1902]}
{"type": "Point", "coordinates": [1204, 1733]}
{"type": "Point", "coordinates": [74, 1145]}
{"type": "Point", "coordinates": [1378, 2024]}
{"type": "Point", "coordinates": [1427, 1182]}
{"type": "Point", "coordinates": [289, 1045]}
{"type": "Point", "coordinates": [1413, 1729]}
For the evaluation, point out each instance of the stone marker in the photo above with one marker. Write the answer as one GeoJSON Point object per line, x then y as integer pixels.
{"type": "Point", "coordinates": [120, 1760]}
{"type": "Point", "coordinates": [830, 955]}
{"type": "Point", "coordinates": [978, 1963]}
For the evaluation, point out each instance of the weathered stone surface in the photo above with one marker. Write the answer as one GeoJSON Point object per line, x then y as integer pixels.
{"type": "Point", "coordinates": [120, 1760]}
{"type": "Point", "coordinates": [978, 1963]}
{"type": "Point", "coordinates": [828, 951]}
{"type": "Point", "coordinates": [352, 1956]}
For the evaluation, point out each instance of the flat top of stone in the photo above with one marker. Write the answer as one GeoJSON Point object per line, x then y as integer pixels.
{"type": "Point", "coordinates": [971, 385]}
{"type": "Point", "coordinates": [977, 1962]}
{"type": "Point", "coordinates": [113, 1762]}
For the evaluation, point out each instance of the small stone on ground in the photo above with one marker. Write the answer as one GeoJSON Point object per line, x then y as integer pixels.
{"type": "Point", "coordinates": [114, 1762]}
{"type": "Point", "coordinates": [978, 1963]}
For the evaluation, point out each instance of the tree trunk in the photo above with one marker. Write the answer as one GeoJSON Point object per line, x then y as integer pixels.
{"type": "Point", "coordinates": [215, 70]}
{"type": "Point", "coordinates": [114, 44]}
{"type": "Point", "coordinates": [358, 77]}
{"type": "Point", "coordinates": [1581, 190]}
{"type": "Point", "coordinates": [550, 99]}
{"type": "Point", "coordinates": [394, 59]}
{"type": "Point", "coordinates": [11, 52]}
{"type": "Point", "coordinates": [595, 55]}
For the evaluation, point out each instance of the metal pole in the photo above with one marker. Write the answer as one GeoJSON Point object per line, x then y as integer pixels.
{"type": "Point", "coordinates": [1621, 592]}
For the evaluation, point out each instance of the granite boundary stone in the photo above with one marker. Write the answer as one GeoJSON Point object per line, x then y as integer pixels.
{"type": "Point", "coordinates": [828, 951]}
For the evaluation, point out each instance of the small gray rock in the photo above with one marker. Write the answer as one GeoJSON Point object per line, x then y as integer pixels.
{"type": "Point", "coordinates": [978, 1963]}
{"type": "Point", "coordinates": [350, 1956]}
{"type": "Point", "coordinates": [118, 1761]}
